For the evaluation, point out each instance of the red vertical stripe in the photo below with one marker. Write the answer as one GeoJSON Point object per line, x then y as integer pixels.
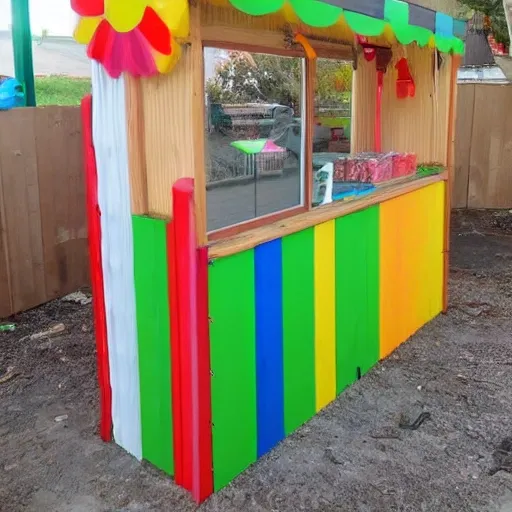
{"type": "Point", "coordinates": [205, 419]}
{"type": "Point", "coordinates": [175, 356]}
{"type": "Point", "coordinates": [94, 232]}
{"type": "Point", "coordinates": [186, 291]}
{"type": "Point", "coordinates": [378, 112]}
{"type": "Point", "coordinates": [190, 347]}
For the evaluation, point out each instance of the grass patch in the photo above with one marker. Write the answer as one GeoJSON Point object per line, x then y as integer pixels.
{"type": "Point", "coordinates": [61, 90]}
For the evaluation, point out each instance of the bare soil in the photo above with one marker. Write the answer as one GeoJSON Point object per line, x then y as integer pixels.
{"type": "Point", "coordinates": [354, 456]}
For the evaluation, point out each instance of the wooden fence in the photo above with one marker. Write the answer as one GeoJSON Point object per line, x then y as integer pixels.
{"type": "Point", "coordinates": [43, 232]}
{"type": "Point", "coordinates": [483, 147]}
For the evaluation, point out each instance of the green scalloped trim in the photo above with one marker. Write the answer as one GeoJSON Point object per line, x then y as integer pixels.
{"type": "Point", "coordinates": [317, 14]}
{"type": "Point", "coordinates": [320, 15]}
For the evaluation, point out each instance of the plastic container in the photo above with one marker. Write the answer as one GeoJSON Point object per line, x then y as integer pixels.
{"type": "Point", "coordinates": [322, 185]}
{"type": "Point", "coordinates": [11, 93]}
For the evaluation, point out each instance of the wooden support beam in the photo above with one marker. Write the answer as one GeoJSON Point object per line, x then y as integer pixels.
{"type": "Point", "coordinates": [136, 147]}
{"type": "Point", "coordinates": [455, 63]}
{"type": "Point", "coordinates": [198, 123]}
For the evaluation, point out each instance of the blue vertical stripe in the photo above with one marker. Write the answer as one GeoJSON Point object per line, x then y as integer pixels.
{"type": "Point", "coordinates": [269, 345]}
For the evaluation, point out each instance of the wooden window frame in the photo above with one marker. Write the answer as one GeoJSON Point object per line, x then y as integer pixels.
{"type": "Point", "coordinates": [229, 38]}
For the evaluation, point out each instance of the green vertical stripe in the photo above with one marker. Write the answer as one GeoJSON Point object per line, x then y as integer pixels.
{"type": "Point", "coordinates": [357, 295]}
{"type": "Point", "coordinates": [153, 328]}
{"type": "Point", "coordinates": [22, 49]}
{"type": "Point", "coordinates": [299, 329]}
{"type": "Point", "coordinates": [233, 362]}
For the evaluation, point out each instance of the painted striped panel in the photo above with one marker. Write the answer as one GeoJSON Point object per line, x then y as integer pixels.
{"type": "Point", "coordinates": [110, 143]}
{"type": "Point", "coordinates": [298, 253]}
{"type": "Point", "coordinates": [325, 321]}
{"type": "Point", "coordinates": [411, 264]}
{"type": "Point", "coordinates": [436, 218]}
{"type": "Point", "coordinates": [233, 362]}
{"type": "Point", "coordinates": [357, 295]}
{"type": "Point", "coordinates": [153, 327]}
{"type": "Point", "coordinates": [410, 225]}
{"type": "Point", "coordinates": [269, 344]}
{"type": "Point", "coordinates": [394, 301]}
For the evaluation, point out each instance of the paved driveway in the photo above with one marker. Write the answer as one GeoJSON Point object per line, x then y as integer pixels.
{"type": "Point", "coordinates": [53, 57]}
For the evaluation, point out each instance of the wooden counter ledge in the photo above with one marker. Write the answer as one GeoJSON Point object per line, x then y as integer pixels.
{"type": "Point", "coordinates": [250, 239]}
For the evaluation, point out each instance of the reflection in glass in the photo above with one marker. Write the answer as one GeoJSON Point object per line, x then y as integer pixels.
{"type": "Point", "coordinates": [331, 134]}
{"type": "Point", "coordinates": [254, 135]}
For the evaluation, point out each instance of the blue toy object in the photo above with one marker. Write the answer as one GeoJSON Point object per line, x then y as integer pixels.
{"type": "Point", "coordinates": [349, 189]}
{"type": "Point", "coordinates": [11, 93]}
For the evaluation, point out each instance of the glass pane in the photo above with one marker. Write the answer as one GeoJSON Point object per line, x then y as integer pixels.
{"type": "Point", "coordinates": [333, 112]}
{"type": "Point", "coordinates": [254, 134]}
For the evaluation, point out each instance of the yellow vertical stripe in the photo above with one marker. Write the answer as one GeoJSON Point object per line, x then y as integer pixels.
{"type": "Point", "coordinates": [325, 321]}
{"type": "Point", "coordinates": [414, 247]}
{"type": "Point", "coordinates": [411, 264]}
{"type": "Point", "coordinates": [436, 235]}
{"type": "Point", "coordinates": [422, 308]}
{"type": "Point", "coordinates": [390, 289]}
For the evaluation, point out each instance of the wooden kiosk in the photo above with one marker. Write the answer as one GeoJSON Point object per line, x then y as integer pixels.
{"type": "Point", "coordinates": [230, 309]}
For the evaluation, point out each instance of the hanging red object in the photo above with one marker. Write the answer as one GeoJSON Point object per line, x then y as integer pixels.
{"type": "Point", "coordinates": [369, 52]}
{"type": "Point", "coordinates": [405, 87]}
{"type": "Point", "coordinates": [378, 112]}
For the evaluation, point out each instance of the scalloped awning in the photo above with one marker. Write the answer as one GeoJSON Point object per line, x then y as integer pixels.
{"type": "Point", "coordinates": [138, 36]}
{"type": "Point", "coordinates": [409, 22]}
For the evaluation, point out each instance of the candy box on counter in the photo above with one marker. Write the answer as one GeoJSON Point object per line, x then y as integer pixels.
{"type": "Point", "coordinates": [380, 167]}
{"type": "Point", "coordinates": [356, 169]}
{"type": "Point", "coordinates": [404, 164]}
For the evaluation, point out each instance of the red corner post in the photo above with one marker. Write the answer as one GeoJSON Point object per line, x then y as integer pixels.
{"type": "Point", "coordinates": [96, 269]}
{"type": "Point", "coordinates": [190, 346]}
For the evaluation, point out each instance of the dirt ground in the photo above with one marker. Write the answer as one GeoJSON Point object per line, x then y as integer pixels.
{"type": "Point", "coordinates": [353, 457]}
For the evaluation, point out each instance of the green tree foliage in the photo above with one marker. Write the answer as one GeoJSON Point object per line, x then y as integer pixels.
{"type": "Point", "coordinates": [494, 9]}
{"type": "Point", "coordinates": [253, 78]}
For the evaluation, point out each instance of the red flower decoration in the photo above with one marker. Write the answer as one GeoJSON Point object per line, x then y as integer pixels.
{"type": "Point", "coordinates": [155, 31]}
{"type": "Point", "coordinates": [88, 7]}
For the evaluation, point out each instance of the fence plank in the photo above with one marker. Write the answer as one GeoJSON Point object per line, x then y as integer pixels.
{"type": "Point", "coordinates": [463, 132]}
{"type": "Point", "coordinates": [5, 281]}
{"type": "Point", "coordinates": [490, 182]}
{"type": "Point", "coordinates": [62, 199]}
{"type": "Point", "coordinates": [21, 205]}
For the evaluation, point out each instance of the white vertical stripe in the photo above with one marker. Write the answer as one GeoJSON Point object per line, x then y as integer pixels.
{"type": "Point", "coordinates": [110, 143]}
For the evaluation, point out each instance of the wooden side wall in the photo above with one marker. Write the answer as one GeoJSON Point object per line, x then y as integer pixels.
{"type": "Point", "coordinates": [419, 124]}
{"type": "Point", "coordinates": [483, 147]}
{"type": "Point", "coordinates": [305, 315]}
{"type": "Point", "coordinates": [43, 230]}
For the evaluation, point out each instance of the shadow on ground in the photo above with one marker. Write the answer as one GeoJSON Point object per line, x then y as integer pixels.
{"type": "Point", "coordinates": [352, 457]}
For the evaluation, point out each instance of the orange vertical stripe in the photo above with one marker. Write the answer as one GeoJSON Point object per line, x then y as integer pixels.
{"type": "Point", "coordinates": [411, 264]}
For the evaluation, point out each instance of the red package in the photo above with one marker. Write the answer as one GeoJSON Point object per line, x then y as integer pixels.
{"type": "Point", "coordinates": [339, 169]}
{"type": "Point", "coordinates": [400, 165]}
{"type": "Point", "coordinates": [381, 168]}
{"type": "Point", "coordinates": [356, 169]}
{"type": "Point", "coordinates": [412, 163]}
{"type": "Point", "coordinates": [404, 164]}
